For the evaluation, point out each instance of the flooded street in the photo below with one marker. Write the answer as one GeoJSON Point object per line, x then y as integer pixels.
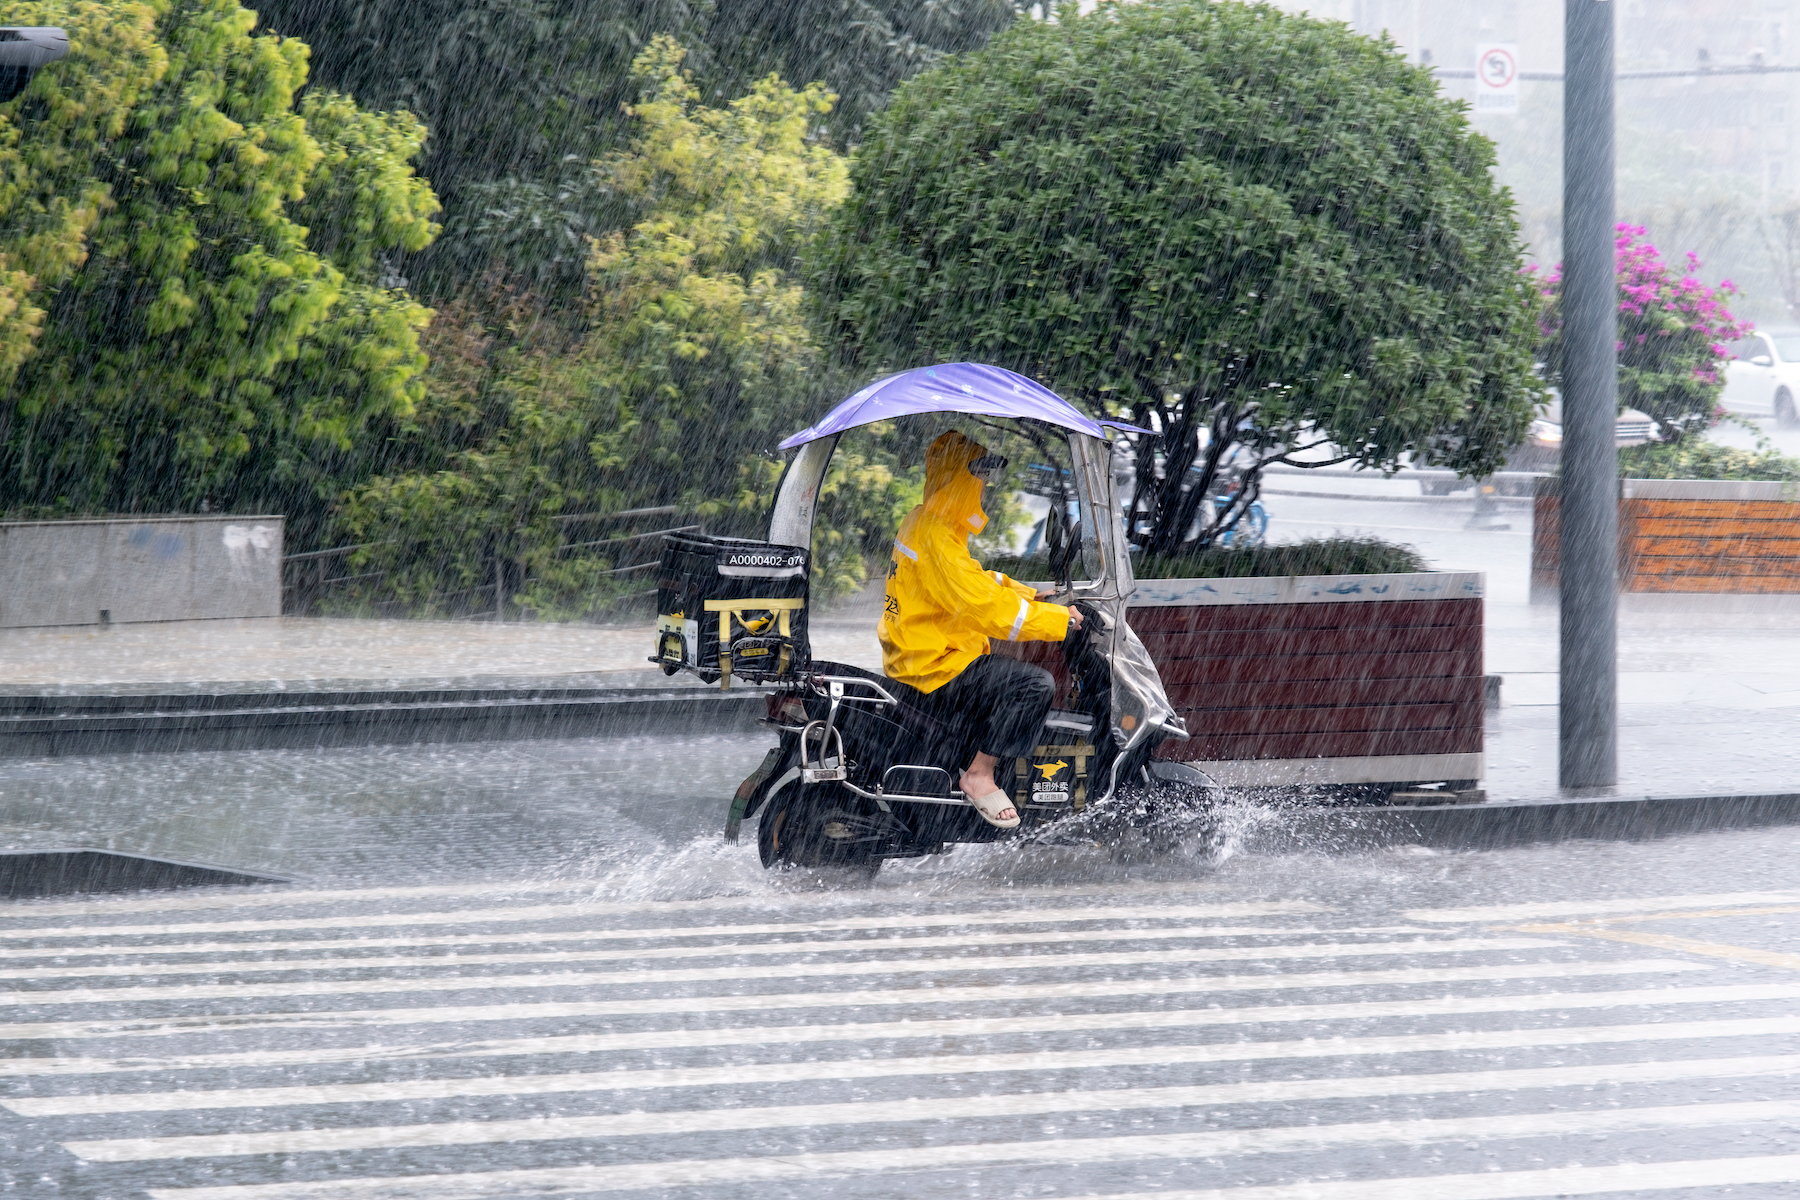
{"type": "Point", "coordinates": [899, 600]}
{"type": "Point", "coordinates": [536, 970]}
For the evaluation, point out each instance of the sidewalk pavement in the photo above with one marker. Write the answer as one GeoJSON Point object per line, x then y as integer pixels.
{"type": "Point", "coordinates": [1709, 694]}
{"type": "Point", "coordinates": [332, 654]}
{"type": "Point", "coordinates": [1709, 698]}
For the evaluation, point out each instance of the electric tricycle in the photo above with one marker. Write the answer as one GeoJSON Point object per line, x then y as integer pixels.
{"type": "Point", "coordinates": [865, 769]}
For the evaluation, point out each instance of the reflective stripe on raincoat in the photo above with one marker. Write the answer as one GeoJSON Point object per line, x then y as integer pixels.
{"type": "Point", "coordinates": [941, 606]}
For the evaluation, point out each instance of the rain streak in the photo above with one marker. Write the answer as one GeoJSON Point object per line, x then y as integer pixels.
{"type": "Point", "coordinates": [1097, 600]}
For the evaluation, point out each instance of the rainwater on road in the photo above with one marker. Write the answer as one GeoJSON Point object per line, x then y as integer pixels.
{"type": "Point", "coordinates": [651, 1014]}
{"type": "Point", "coordinates": [536, 968]}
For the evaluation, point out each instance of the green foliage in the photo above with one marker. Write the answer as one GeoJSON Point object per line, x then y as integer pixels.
{"type": "Point", "coordinates": [1692, 458]}
{"type": "Point", "coordinates": [49, 197]}
{"type": "Point", "coordinates": [195, 344]}
{"type": "Point", "coordinates": [865, 495]}
{"type": "Point", "coordinates": [523, 95]}
{"type": "Point", "coordinates": [695, 356]}
{"type": "Point", "coordinates": [1215, 216]}
{"type": "Point", "coordinates": [1314, 556]}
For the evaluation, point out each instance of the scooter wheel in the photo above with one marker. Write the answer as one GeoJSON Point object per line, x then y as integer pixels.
{"type": "Point", "coordinates": [821, 826]}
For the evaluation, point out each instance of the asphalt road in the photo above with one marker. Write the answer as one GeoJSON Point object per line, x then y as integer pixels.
{"type": "Point", "coordinates": [1584, 1019]}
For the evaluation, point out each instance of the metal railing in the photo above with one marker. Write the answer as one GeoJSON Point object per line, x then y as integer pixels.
{"type": "Point", "coordinates": [312, 579]}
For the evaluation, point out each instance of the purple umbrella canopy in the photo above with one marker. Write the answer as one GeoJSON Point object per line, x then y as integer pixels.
{"type": "Point", "coordinates": [958, 388]}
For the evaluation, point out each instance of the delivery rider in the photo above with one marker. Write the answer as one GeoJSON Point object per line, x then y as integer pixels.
{"type": "Point", "coordinates": [941, 610]}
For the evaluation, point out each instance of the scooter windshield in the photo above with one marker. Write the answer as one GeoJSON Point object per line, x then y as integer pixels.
{"type": "Point", "coordinates": [1041, 520]}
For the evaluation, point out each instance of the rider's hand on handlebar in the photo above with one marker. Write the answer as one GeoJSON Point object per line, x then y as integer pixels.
{"type": "Point", "coordinates": [1074, 613]}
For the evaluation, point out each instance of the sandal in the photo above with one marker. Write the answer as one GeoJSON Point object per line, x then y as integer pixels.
{"type": "Point", "coordinates": [996, 808]}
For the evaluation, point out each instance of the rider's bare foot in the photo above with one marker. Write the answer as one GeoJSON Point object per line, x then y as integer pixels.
{"type": "Point", "coordinates": [994, 805]}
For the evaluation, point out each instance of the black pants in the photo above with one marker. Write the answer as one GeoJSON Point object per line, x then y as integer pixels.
{"type": "Point", "coordinates": [1002, 699]}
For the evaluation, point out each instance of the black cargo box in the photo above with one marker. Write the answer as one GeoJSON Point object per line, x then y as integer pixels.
{"type": "Point", "coordinates": [755, 592]}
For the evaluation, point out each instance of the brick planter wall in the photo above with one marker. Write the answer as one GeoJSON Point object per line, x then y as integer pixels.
{"type": "Point", "coordinates": [1688, 536]}
{"type": "Point", "coordinates": [1326, 679]}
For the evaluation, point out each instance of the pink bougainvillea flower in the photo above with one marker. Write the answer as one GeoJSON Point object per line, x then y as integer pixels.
{"type": "Point", "coordinates": [1673, 330]}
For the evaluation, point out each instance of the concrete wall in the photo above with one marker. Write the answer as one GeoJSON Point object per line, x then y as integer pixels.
{"type": "Point", "coordinates": [147, 569]}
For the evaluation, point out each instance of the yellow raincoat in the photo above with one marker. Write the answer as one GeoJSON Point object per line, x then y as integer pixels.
{"type": "Point", "coordinates": [941, 606]}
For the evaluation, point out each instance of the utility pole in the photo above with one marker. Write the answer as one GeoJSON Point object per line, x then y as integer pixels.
{"type": "Point", "coordinates": [1589, 746]}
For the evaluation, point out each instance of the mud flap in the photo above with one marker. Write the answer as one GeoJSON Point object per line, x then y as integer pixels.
{"type": "Point", "coordinates": [749, 790]}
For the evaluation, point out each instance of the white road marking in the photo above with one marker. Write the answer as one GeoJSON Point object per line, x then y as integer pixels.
{"type": "Point", "coordinates": [721, 974]}
{"type": "Point", "coordinates": [235, 899]}
{"type": "Point", "coordinates": [565, 1044]}
{"type": "Point", "coordinates": [736, 933]}
{"type": "Point", "coordinates": [129, 950]}
{"type": "Point", "coordinates": [32, 909]}
{"type": "Point", "coordinates": [1559, 908]}
{"type": "Point", "coordinates": [554, 912]}
{"type": "Point", "coordinates": [1615, 1178]}
{"type": "Point", "coordinates": [115, 969]}
{"type": "Point", "coordinates": [258, 1126]}
{"type": "Point", "coordinates": [513, 1012]}
{"type": "Point", "coordinates": [917, 1108]}
{"type": "Point", "coordinates": [1083, 1151]}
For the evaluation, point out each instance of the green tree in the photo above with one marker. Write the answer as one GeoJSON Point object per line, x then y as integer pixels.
{"type": "Point", "coordinates": [49, 199]}
{"type": "Point", "coordinates": [1257, 233]}
{"type": "Point", "coordinates": [522, 95]}
{"type": "Point", "coordinates": [695, 357]}
{"type": "Point", "coordinates": [197, 342]}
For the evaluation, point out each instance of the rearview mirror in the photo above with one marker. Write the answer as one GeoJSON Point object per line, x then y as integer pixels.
{"type": "Point", "coordinates": [1762, 360]}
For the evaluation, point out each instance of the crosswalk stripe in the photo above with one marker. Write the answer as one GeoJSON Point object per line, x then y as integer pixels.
{"type": "Point", "coordinates": [1038, 915]}
{"type": "Point", "coordinates": [721, 974]}
{"type": "Point", "coordinates": [313, 1019]}
{"type": "Point", "coordinates": [785, 1072]}
{"type": "Point", "coordinates": [128, 950]}
{"type": "Point", "coordinates": [1084, 1151]}
{"type": "Point", "coordinates": [1564, 908]}
{"type": "Point", "coordinates": [340, 1139]}
{"type": "Point", "coordinates": [297, 897]}
{"type": "Point", "coordinates": [115, 969]}
{"type": "Point", "coordinates": [1616, 1178]}
{"type": "Point", "coordinates": [116, 905]}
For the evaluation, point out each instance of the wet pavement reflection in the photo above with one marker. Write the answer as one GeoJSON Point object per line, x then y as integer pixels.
{"type": "Point", "coordinates": [537, 970]}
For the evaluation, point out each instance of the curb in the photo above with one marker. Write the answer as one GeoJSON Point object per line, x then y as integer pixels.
{"type": "Point", "coordinates": [58, 726]}
{"type": "Point", "coordinates": [86, 869]}
{"type": "Point", "coordinates": [1500, 824]}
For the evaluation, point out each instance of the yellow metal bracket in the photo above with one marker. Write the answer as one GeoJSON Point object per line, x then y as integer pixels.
{"type": "Point", "coordinates": [734, 610]}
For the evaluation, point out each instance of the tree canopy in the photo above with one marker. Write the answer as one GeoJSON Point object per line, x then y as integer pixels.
{"type": "Point", "coordinates": [176, 333]}
{"type": "Point", "coordinates": [523, 95]}
{"type": "Point", "coordinates": [693, 358]}
{"type": "Point", "coordinates": [1252, 231]}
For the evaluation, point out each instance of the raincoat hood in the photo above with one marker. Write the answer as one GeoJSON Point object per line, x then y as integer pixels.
{"type": "Point", "coordinates": [952, 494]}
{"type": "Point", "coordinates": [943, 609]}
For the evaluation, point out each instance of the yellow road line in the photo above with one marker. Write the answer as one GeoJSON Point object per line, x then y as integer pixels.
{"type": "Point", "coordinates": [1716, 912]}
{"type": "Point", "coordinates": [1664, 941]}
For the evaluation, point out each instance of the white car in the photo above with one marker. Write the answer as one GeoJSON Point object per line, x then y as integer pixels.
{"type": "Point", "coordinates": [1763, 377]}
